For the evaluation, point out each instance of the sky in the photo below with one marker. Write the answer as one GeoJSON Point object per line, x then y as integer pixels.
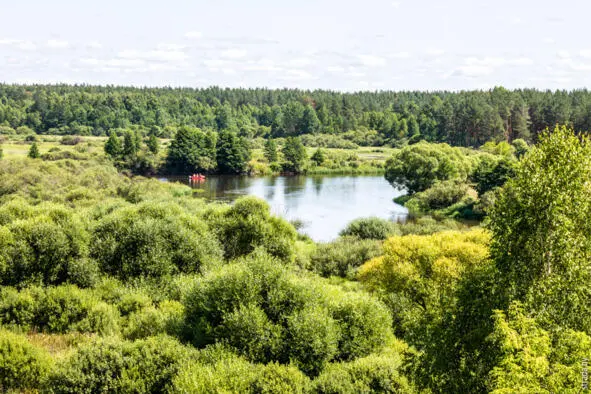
{"type": "Point", "coordinates": [324, 44]}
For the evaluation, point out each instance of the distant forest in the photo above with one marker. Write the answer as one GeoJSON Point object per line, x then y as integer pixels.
{"type": "Point", "coordinates": [467, 118]}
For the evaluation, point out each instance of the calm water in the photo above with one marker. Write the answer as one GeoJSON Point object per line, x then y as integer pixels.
{"type": "Point", "coordinates": [325, 204]}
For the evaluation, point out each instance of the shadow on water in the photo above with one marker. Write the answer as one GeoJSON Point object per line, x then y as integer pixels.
{"type": "Point", "coordinates": [324, 204]}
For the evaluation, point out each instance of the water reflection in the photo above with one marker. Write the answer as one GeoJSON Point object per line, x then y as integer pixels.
{"type": "Point", "coordinates": [324, 203]}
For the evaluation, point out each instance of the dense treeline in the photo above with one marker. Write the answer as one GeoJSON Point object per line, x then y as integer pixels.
{"type": "Point", "coordinates": [363, 118]}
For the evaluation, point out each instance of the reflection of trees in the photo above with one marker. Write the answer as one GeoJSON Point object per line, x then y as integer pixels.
{"type": "Point", "coordinates": [317, 182]}
{"type": "Point", "coordinates": [294, 183]}
{"type": "Point", "coordinates": [270, 188]}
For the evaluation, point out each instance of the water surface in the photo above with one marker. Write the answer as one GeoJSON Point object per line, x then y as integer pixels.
{"type": "Point", "coordinates": [325, 204]}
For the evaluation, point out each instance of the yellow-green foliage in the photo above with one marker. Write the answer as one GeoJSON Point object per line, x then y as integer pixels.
{"type": "Point", "coordinates": [22, 365]}
{"type": "Point", "coordinates": [535, 360]}
{"type": "Point", "coordinates": [418, 274]}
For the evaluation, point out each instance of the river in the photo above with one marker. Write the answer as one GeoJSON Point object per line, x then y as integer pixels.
{"type": "Point", "coordinates": [324, 204]}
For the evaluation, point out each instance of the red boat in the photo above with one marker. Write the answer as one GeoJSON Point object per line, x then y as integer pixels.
{"type": "Point", "coordinates": [196, 178]}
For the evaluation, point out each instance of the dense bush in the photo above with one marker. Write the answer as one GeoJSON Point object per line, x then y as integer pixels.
{"type": "Point", "coordinates": [418, 167]}
{"type": "Point", "coordinates": [328, 141]}
{"type": "Point", "coordinates": [57, 310]}
{"type": "Point", "coordinates": [267, 313]}
{"type": "Point", "coordinates": [248, 224]}
{"type": "Point", "coordinates": [370, 228]}
{"type": "Point", "coordinates": [23, 367]}
{"type": "Point", "coordinates": [419, 275]}
{"type": "Point", "coordinates": [343, 256]}
{"type": "Point", "coordinates": [111, 365]}
{"type": "Point", "coordinates": [152, 240]}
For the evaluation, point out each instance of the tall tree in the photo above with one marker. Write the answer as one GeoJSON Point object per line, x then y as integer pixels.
{"type": "Point", "coordinates": [232, 153]}
{"type": "Point", "coordinates": [294, 154]}
{"type": "Point", "coordinates": [542, 231]}
{"type": "Point", "coordinates": [113, 145]}
{"type": "Point", "coordinates": [271, 151]}
{"type": "Point", "coordinates": [192, 150]}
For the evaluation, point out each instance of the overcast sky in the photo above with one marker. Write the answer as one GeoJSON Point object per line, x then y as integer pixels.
{"type": "Point", "coordinates": [328, 44]}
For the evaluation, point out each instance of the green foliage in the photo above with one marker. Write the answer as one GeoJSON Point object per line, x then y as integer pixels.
{"type": "Point", "coordinates": [111, 365]}
{"type": "Point", "coordinates": [445, 199]}
{"type": "Point", "coordinates": [113, 146]}
{"type": "Point", "coordinates": [521, 147]}
{"type": "Point", "coordinates": [492, 172]}
{"type": "Point", "coordinates": [534, 360]}
{"type": "Point", "coordinates": [23, 367]}
{"type": "Point", "coordinates": [419, 166]}
{"type": "Point", "coordinates": [191, 150]}
{"type": "Point", "coordinates": [343, 256]}
{"type": "Point", "coordinates": [541, 231]}
{"type": "Point", "coordinates": [47, 245]}
{"type": "Point", "coordinates": [267, 313]}
{"type": "Point", "coordinates": [372, 374]}
{"type": "Point", "coordinates": [271, 151]}
{"type": "Point", "coordinates": [152, 240]}
{"type": "Point", "coordinates": [232, 153]}
{"type": "Point", "coordinates": [248, 224]}
{"type": "Point", "coordinates": [153, 144]}
{"type": "Point", "coordinates": [34, 151]}
{"type": "Point", "coordinates": [419, 276]}
{"type": "Point", "coordinates": [318, 157]}
{"type": "Point", "coordinates": [294, 155]}
{"type": "Point", "coordinates": [370, 228]}
{"type": "Point", "coordinates": [57, 310]}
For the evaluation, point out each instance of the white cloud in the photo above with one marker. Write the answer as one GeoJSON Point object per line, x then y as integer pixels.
{"type": "Point", "coordinates": [300, 62]}
{"type": "Point", "coordinates": [435, 52]}
{"type": "Point", "coordinates": [155, 55]}
{"type": "Point", "coordinates": [549, 40]}
{"type": "Point", "coordinates": [473, 71]}
{"type": "Point", "coordinates": [193, 34]}
{"type": "Point", "coordinates": [585, 53]}
{"type": "Point", "coordinates": [57, 44]}
{"type": "Point", "coordinates": [563, 54]}
{"type": "Point", "coordinates": [396, 4]}
{"type": "Point", "coordinates": [399, 55]}
{"type": "Point", "coordinates": [234, 53]}
{"type": "Point", "coordinates": [94, 45]}
{"type": "Point", "coordinates": [335, 69]}
{"type": "Point", "coordinates": [19, 44]}
{"type": "Point", "coordinates": [372, 61]}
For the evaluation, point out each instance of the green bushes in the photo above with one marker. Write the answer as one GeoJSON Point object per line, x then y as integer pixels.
{"type": "Point", "coordinates": [57, 310]}
{"type": "Point", "coordinates": [266, 313]}
{"type": "Point", "coordinates": [152, 240]}
{"type": "Point", "coordinates": [248, 224]}
{"type": "Point", "coordinates": [343, 256]}
{"type": "Point", "coordinates": [370, 228]}
{"type": "Point", "coordinates": [372, 374]}
{"type": "Point", "coordinates": [418, 167]}
{"type": "Point", "coordinates": [222, 371]}
{"type": "Point", "coordinates": [22, 366]}
{"type": "Point", "coordinates": [112, 365]}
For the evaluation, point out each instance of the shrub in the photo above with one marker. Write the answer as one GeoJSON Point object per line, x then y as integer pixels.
{"type": "Point", "coordinates": [43, 248]}
{"type": "Point", "coordinates": [152, 240]}
{"type": "Point", "coordinates": [22, 366]}
{"type": "Point", "coordinates": [372, 374]}
{"type": "Point", "coordinates": [111, 365]}
{"type": "Point", "coordinates": [266, 313]}
{"type": "Point", "coordinates": [248, 224]}
{"type": "Point", "coordinates": [151, 321]}
{"type": "Point", "coordinates": [70, 140]}
{"type": "Point", "coordinates": [343, 256]}
{"type": "Point", "coordinates": [370, 228]}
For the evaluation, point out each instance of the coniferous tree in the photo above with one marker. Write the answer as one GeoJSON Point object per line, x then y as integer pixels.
{"type": "Point", "coordinates": [294, 154]}
{"type": "Point", "coordinates": [113, 145]}
{"type": "Point", "coordinates": [271, 150]}
{"type": "Point", "coordinates": [232, 153]}
{"type": "Point", "coordinates": [152, 144]}
{"type": "Point", "coordinates": [34, 151]}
